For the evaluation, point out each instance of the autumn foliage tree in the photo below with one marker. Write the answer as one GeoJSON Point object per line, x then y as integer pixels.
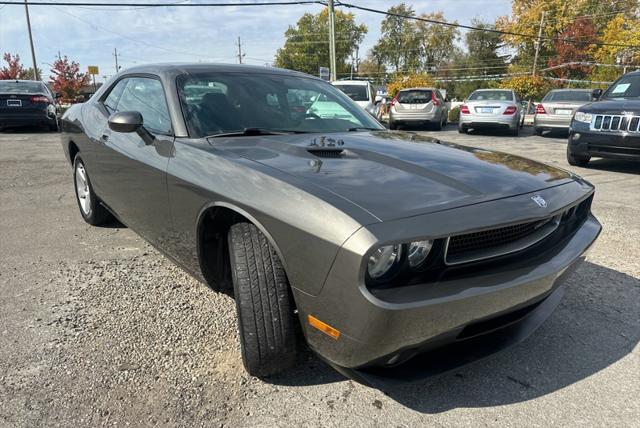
{"type": "Point", "coordinates": [13, 68]}
{"type": "Point", "coordinates": [67, 79]}
{"type": "Point", "coordinates": [585, 33]}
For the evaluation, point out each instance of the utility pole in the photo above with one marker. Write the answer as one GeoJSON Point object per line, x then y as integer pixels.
{"type": "Point", "coordinates": [240, 54]}
{"type": "Point", "coordinates": [332, 41]}
{"type": "Point", "coordinates": [33, 51]}
{"type": "Point", "coordinates": [538, 43]}
{"type": "Point", "coordinates": [115, 55]}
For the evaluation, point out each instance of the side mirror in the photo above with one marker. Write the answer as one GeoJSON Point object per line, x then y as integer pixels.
{"type": "Point", "coordinates": [596, 94]}
{"type": "Point", "coordinates": [125, 121]}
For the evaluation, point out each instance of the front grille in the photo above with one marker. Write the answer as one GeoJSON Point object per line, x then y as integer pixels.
{"type": "Point", "coordinates": [491, 243]}
{"type": "Point", "coordinates": [608, 122]}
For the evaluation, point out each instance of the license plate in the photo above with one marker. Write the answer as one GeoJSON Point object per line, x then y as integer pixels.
{"type": "Point", "coordinates": [14, 103]}
{"type": "Point", "coordinates": [563, 111]}
{"type": "Point", "coordinates": [486, 110]}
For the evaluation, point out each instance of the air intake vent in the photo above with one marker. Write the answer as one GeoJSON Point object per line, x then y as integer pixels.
{"type": "Point", "coordinates": [326, 152]}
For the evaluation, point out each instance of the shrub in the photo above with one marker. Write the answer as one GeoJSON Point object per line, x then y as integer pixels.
{"type": "Point", "coordinates": [454, 114]}
{"type": "Point", "coordinates": [412, 80]}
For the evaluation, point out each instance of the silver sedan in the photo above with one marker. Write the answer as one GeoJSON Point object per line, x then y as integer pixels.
{"type": "Point", "coordinates": [557, 108]}
{"type": "Point", "coordinates": [491, 108]}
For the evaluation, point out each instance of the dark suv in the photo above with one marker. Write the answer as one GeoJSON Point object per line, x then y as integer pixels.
{"type": "Point", "coordinates": [608, 127]}
{"type": "Point", "coordinates": [27, 103]}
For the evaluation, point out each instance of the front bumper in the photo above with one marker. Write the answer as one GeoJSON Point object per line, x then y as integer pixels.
{"type": "Point", "coordinates": [390, 326]}
{"type": "Point", "coordinates": [584, 142]}
{"type": "Point", "coordinates": [550, 121]}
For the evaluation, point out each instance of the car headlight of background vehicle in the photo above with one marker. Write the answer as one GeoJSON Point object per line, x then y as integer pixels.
{"type": "Point", "coordinates": [583, 117]}
{"type": "Point", "coordinates": [385, 258]}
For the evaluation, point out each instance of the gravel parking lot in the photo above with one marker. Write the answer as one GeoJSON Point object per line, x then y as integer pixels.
{"type": "Point", "coordinates": [99, 329]}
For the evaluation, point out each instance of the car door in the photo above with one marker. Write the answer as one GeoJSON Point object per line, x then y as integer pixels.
{"type": "Point", "coordinates": [132, 166]}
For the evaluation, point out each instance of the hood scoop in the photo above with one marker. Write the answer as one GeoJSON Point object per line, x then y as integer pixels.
{"type": "Point", "coordinates": [324, 147]}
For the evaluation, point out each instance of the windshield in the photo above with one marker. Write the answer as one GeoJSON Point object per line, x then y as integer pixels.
{"type": "Point", "coordinates": [216, 103]}
{"type": "Point", "coordinates": [626, 87]}
{"type": "Point", "coordinates": [414, 97]}
{"type": "Point", "coordinates": [491, 96]}
{"type": "Point", "coordinates": [355, 92]}
{"type": "Point", "coordinates": [568, 96]}
{"type": "Point", "coordinates": [13, 87]}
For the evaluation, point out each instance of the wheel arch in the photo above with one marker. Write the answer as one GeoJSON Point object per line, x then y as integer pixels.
{"type": "Point", "coordinates": [214, 221]}
{"type": "Point", "coordinates": [73, 150]}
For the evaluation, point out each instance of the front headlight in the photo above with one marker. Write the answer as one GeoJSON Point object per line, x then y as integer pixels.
{"type": "Point", "coordinates": [418, 252]}
{"type": "Point", "coordinates": [583, 117]}
{"type": "Point", "coordinates": [383, 259]}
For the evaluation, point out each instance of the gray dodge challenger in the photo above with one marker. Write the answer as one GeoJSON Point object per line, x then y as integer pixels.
{"type": "Point", "coordinates": [375, 247]}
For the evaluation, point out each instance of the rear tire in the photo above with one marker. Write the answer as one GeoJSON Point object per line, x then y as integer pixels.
{"type": "Point", "coordinates": [577, 160]}
{"type": "Point", "coordinates": [90, 207]}
{"type": "Point", "coordinates": [393, 125]}
{"type": "Point", "coordinates": [438, 126]}
{"type": "Point", "coordinates": [266, 320]}
{"type": "Point", "coordinates": [537, 131]}
{"type": "Point", "coordinates": [463, 129]}
{"type": "Point", "coordinates": [514, 131]}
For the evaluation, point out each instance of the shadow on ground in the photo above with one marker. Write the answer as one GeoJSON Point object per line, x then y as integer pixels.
{"type": "Point", "coordinates": [615, 165]}
{"type": "Point", "coordinates": [595, 326]}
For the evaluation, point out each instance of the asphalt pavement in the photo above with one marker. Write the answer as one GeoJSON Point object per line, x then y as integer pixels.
{"type": "Point", "coordinates": [97, 328]}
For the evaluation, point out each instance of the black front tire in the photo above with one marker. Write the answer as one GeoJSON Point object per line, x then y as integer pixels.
{"type": "Point", "coordinates": [577, 160]}
{"type": "Point", "coordinates": [97, 214]}
{"type": "Point", "coordinates": [264, 304]}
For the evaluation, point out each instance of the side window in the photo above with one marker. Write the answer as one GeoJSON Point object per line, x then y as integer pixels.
{"type": "Point", "coordinates": [146, 96]}
{"type": "Point", "coordinates": [114, 95]}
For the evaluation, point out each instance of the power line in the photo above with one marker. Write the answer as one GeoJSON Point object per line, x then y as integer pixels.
{"type": "Point", "coordinates": [471, 27]}
{"type": "Point", "coordinates": [140, 5]}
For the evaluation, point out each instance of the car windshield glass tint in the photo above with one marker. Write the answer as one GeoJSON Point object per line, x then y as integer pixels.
{"type": "Point", "coordinates": [568, 96]}
{"type": "Point", "coordinates": [414, 97]}
{"type": "Point", "coordinates": [13, 87]}
{"type": "Point", "coordinates": [491, 96]}
{"type": "Point", "coordinates": [216, 103]}
{"type": "Point", "coordinates": [626, 87]}
{"type": "Point", "coordinates": [355, 92]}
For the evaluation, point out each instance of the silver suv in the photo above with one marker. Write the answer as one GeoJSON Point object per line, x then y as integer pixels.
{"type": "Point", "coordinates": [418, 106]}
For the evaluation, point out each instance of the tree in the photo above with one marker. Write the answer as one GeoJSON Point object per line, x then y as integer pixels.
{"type": "Point", "coordinates": [398, 45]}
{"type": "Point", "coordinates": [372, 67]}
{"type": "Point", "coordinates": [67, 79]}
{"type": "Point", "coordinates": [306, 47]}
{"type": "Point", "coordinates": [559, 14]}
{"type": "Point", "coordinates": [436, 43]}
{"type": "Point", "coordinates": [13, 70]}
{"type": "Point", "coordinates": [583, 30]}
{"type": "Point", "coordinates": [528, 87]}
{"type": "Point", "coordinates": [620, 30]}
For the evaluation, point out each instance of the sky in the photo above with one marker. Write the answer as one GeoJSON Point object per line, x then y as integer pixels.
{"type": "Point", "coordinates": [89, 35]}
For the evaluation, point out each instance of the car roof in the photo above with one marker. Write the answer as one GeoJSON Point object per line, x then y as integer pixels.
{"type": "Point", "coordinates": [22, 81]}
{"type": "Point", "coordinates": [168, 69]}
{"type": "Point", "coordinates": [350, 82]}
{"type": "Point", "coordinates": [571, 90]}
{"type": "Point", "coordinates": [493, 89]}
{"type": "Point", "coordinates": [419, 88]}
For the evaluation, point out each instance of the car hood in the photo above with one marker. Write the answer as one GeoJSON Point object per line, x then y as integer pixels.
{"type": "Point", "coordinates": [613, 106]}
{"type": "Point", "coordinates": [395, 174]}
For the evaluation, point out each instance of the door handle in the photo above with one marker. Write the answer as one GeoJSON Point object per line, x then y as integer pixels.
{"type": "Point", "coordinates": [104, 138]}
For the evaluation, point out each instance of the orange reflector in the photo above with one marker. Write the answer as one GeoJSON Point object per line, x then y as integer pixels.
{"type": "Point", "coordinates": [323, 327]}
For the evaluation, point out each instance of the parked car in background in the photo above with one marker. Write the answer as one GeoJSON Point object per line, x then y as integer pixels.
{"type": "Point", "coordinates": [418, 106]}
{"type": "Point", "coordinates": [363, 93]}
{"type": "Point", "coordinates": [27, 103]}
{"type": "Point", "coordinates": [557, 108]}
{"type": "Point", "coordinates": [608, 127]}
{"type": "Point", "coordinates": [379, 245]}
{"type": "Point", "coordinates": [491, 108]}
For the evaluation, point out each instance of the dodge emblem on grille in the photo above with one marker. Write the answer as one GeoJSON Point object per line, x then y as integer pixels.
{"type": "Point", "coordinates": [539, 200]}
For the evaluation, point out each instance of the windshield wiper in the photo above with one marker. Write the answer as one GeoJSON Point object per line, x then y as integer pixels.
{"type": "Point", "coordinates": [254, 131]}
